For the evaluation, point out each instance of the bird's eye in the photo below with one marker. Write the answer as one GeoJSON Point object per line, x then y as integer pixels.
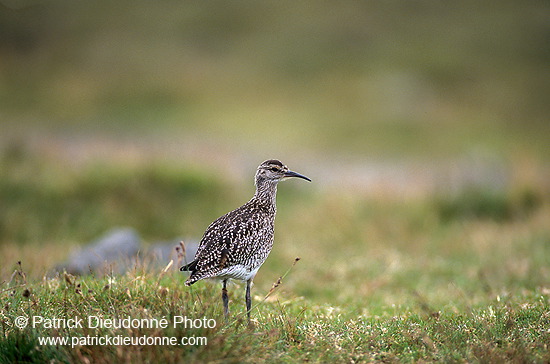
{"type": "Point", "coordinates": [274, 169]}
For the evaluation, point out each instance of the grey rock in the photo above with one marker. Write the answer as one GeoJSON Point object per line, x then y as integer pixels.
{"type": "Point", "coordinates": [120, 250]}
{"type": "Point", "coordinates": [112, 252]}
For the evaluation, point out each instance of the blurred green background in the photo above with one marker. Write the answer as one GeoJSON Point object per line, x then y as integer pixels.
{"type": "Point", "coordinates": [156, 114]}
{"type": "Point", "coordinates": [349, 79]}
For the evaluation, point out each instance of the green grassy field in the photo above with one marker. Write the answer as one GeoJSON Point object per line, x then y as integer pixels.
{"type": "Point", "coordinates": [424, 236]}
{"type": "Point", "coordinates": [379, 279]}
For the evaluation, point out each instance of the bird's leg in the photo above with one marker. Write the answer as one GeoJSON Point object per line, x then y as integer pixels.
{"type": "Point", "coordinates": [225, 300]}
{"type": "Point", "coordinates": [247, 298]}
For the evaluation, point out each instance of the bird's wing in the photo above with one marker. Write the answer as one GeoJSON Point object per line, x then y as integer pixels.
{"type": "Point", "coordinates": [229, 240]}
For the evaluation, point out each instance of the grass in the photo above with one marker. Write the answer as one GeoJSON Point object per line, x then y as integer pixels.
{"type": "Point", "coordinates": [511, 329]}
{"type": "Point", "coordinates": [383, 276]}
{"type": "Point", "coordinates": [379, 280]}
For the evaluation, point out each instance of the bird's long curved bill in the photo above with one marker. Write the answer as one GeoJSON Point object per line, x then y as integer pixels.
{"type": "Point", "coordinates": [294, 174]}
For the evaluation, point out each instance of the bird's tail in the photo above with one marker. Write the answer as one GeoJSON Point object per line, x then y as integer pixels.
{"type": "Point", "coordinates": [189, 267]}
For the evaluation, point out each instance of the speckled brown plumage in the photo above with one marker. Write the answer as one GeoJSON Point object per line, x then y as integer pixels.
{"type": "Point", "coordinates": [238, 243]}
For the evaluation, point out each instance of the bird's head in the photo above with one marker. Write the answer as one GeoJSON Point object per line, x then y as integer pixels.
{"type": "Point", "coordinates": [275, 171]}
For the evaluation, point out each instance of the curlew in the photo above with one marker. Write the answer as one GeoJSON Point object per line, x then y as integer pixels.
{"type": "Point", "coordinates": [237, 244]}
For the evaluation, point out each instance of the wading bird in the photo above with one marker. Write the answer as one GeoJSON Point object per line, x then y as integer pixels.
{"type": "Point", "coordinates": [236, 245]}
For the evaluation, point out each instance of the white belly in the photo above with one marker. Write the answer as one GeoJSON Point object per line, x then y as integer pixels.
{"type": "Point", "coordinates": [239, 272]}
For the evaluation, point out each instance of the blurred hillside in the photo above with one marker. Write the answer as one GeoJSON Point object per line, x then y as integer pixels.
{"type": "Point", "coordinates": [396, 79]}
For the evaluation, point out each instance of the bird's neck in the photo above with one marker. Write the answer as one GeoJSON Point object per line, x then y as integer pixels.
{"type": "Point", "coordinates": [266, 192]}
